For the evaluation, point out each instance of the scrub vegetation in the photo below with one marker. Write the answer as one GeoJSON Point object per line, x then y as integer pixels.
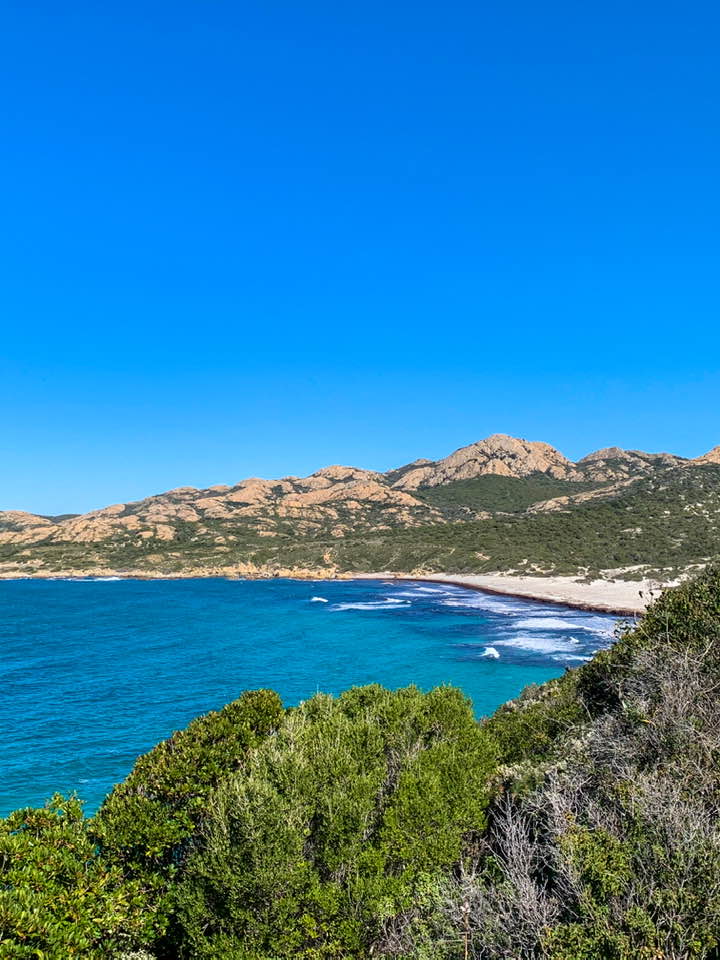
{"type": "Point", "coordinates": [659, 526]}
{"type": "Point", "coordinates": [579, 822]}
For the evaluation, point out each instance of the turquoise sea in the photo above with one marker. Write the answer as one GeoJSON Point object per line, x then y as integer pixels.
{"type": "Point", "coordinates": [95, 672]}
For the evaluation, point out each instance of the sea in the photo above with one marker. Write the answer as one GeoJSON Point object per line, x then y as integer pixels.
{"type": "Point", "coordinates": [95, 672]}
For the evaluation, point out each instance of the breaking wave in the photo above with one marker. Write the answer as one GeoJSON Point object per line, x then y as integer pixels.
{"type": "Point", "coordinates": [538, 644]}
{"type": "Point", "coordinates": [386, 604]}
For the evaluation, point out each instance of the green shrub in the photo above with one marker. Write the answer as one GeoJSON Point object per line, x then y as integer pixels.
{"type": "Point", "coordinates": [604, 841]}
{"type": "Point", "coordinates": [57, 898]}
{"type": "Point", "coordinates": [682, 621]}
{"type": "Point", "coordinates": [147, 821]}
{"type": "Point", "coordinates": [531, 726]}
{"type": "Point", "coordinates": [334, 825]}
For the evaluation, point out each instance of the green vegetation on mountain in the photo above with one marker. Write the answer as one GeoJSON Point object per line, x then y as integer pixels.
{"type": "Point", "coordinates": [579, 822]}
{"type": "Point", "coordinates": [493, 493]}
{"type": "Point", "coordinates": [501, 504]}
{"type": "Point", "coordinates": [662, 525]}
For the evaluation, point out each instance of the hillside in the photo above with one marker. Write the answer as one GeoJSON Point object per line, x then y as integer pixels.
{"type": "Point", "coordinates": [501, 504]}
{"type": "Point", "coordinates": [579, 822]}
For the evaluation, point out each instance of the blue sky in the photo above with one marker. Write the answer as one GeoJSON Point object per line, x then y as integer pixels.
{"type": "Point", "coordinates": [254, 239]}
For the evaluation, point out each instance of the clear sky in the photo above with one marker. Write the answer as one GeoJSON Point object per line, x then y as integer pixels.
{"type": "Point", "coordinates": [257, 238]}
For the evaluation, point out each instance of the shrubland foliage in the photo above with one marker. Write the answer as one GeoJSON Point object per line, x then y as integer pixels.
{"type": "Point", "coordinates": [58, 899]}
{"type": "Point", "coordinates": [335, 824]}
{"type": "Point", "coordinates": [146, 822]}
{"type": "Point", "coordinates": [580, 822]}
{"type": "Point", "coordinates": [605, 843]}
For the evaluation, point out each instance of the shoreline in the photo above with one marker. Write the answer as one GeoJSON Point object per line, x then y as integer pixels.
{"type": "Point", "coordinates": [541, 598]}
{"type": "Point", "coordinates": [619, 597]}
{"type": "Point", "coordinates": [624, 598]}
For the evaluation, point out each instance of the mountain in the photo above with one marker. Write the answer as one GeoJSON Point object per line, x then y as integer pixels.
{"type": "Point", "coordinates": [480, 508]}
{"type": "Point", "coordinates": [499, 455]}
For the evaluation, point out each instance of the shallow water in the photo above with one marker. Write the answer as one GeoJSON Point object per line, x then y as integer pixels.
{"type": "Point", "coordinates": [95, 672]}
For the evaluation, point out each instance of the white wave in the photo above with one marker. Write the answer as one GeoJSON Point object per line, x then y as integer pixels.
{"type": "Point", "coordinates": [88, 579]}
{"type": "Point", "coordinates": [422, 594]}
{"type": "Point", "coordinates": [589, 625]}
{"type": "Point", "coordinates": [318, 600]}
{"type": "Point", "coordinates": [485, 603]}
{"type": "Point", "coordinates": [537, 644]}
{"type": "Point", "coordinates": [571, 656]}
{"type": "Point", "coordinates": [490, 652]}
{"type": "Point", "coordinates": [386, 604]}
{"type": "Point", "coordinates": [439, 589]}
{"type": "Point", "coordinates": [547, 623]}
{"type": "Point", "coordinates": [597, 625]}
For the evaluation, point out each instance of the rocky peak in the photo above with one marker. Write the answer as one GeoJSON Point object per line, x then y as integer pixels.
{"type": "Point", "coordinates": [607, 453]}
{"type": "Point", "coordinates": [340, 473]}
{"type": "Point", "coordinates": [614, 463]}
{"type": "Point", "coordinates": [712, 456]}
{"type": "Point", "coordinates": [499, 454]}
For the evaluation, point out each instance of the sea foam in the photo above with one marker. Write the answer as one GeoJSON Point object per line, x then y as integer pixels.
{"type": "Point", "coordinates": [537, 643]}
{"type": "Point", "coordinates": [386, 604]}
{"type": "Point", "coordinates": [589, 624]}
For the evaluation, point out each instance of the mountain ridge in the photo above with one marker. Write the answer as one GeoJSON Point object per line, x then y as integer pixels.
{"type": "Point", "coordinates": [307, 522]}
{"type": "Point", "coordinates": [499, 454]}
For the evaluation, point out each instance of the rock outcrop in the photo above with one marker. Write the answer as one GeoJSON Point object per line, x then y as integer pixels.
{"type": "Point", "coordinates": [712, 456]}
{"type": "Point", "coordinates": [500, 454]}
{"type": "Point", "coordinates": [614, 463]}
{"type": "Point", "coordinates": [335, 497]}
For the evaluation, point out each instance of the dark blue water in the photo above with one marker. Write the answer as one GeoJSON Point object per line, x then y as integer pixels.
{"type": "Point", "coordinates": [96, 672]}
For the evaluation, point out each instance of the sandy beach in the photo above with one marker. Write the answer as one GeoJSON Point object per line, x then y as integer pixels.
{"type": "Point", "coordinates": [624, 597]}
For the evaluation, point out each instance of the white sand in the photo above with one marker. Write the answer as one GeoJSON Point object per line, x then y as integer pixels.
{"type": "Point", "coordinates": [611, 596]}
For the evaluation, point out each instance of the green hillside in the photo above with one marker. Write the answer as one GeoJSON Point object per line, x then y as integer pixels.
{"type": "Point", "coordinates": [494, 493]}
{"type": "Point", "coordinates": [663, 525]}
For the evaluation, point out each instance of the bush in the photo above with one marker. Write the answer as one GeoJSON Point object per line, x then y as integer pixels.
{"type": "Point", "coordinates": [532, 726]}
{"type": "Point", "coordinates": [607, 843]}
{"type": "Point", "coordinates": [581, 821]}
{"type": "Point", "coordinates": [147, 825]}
{"type": "Point", "coordinates": [334, 825]}
{"type": "Point", "coordinates": [57, 898]}
{"type": "Point", "coordinates": [147, 821]}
